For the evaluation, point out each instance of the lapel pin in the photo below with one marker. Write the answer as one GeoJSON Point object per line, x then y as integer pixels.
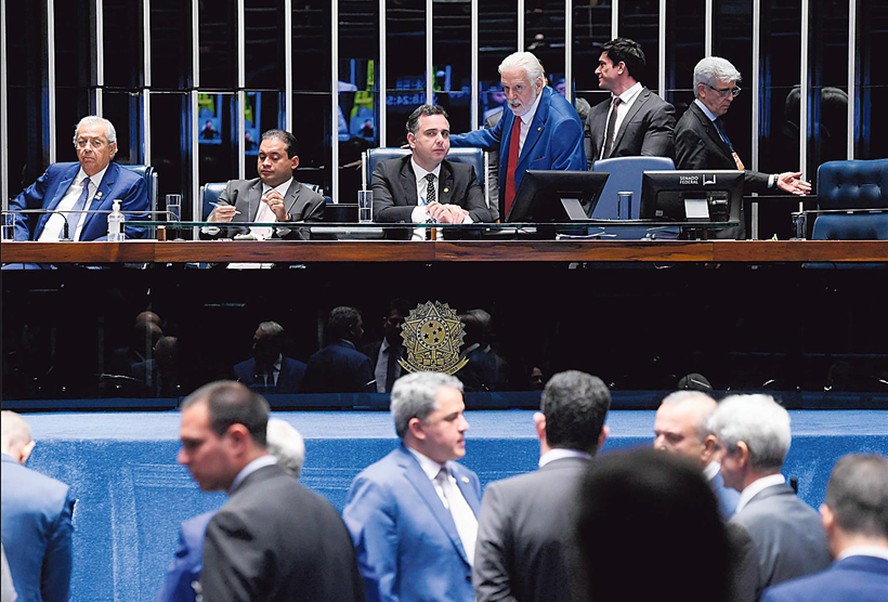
{"type": "Point", "coordinates": [465, 480]}
{"type": "Point", "coordinates": [539, 129]}
{"type": "Point", "coordinates": [446, 190]}
{"type": "Point", "coordinates": [99, 194]}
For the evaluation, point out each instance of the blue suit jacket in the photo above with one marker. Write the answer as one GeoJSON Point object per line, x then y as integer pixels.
{"type": "Point", "coordinates": [338, 368]}
{"type": "Point", "coordinates": [50, 188]}
{"type": "Point", "coordinates": [852, 579]}
{"type": "Point", "coordinates": [727, 498]}
{"type": "Point", "coordinates": [185, 568]}
{"type": "Point", "coordinates": [289, 379]}
{"type": "Point", "coordinates": [37, 532]}
{"type": "Point", "coordinates": [554, 141]}
{"type": "Point", "coordinates": [406, 541]}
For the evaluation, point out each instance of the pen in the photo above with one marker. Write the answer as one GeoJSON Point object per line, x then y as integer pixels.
{"type": "Point", "coordinates": [221, 205]}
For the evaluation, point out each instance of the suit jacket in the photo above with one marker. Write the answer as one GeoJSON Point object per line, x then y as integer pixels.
{"type": "Point", "coordinates": [524, 523]}
{"type": "Point", "coordinates": [699, 146]}
{"type": "Point", "coordinates": [852, 579]}
{"type": "Point", "coordinates": [407, 543]}
{"type": "Point", "coordinates": [787, 535]}
{"type": "Point", "coordinates": [727, 498]}
{"type": "Point", "coordinates": [186, 566]}
{"type": "Point", "coordinates": [554, 140]}
{"type": "Point", "coordinates": [338, 368]}
{"type": "Point", "coordinates": [646, 130]}
{"type": "Point", "coordinates": [50, 188]}
{"type": "Point", "coordinates": [37, 532]}
{"type": "Point", "coordinates": [394, 190]}
{"type": "Point", "coordinates": [289, 380]}
{"type": "Point", "coordinates": [276, 540]}
{"type": "Point", "coordinates": [302, 203]}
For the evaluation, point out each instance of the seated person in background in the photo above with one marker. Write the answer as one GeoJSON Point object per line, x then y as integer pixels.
{"type": "Point", "coordinates": [487, 370]}
{"type": "Point", "coordinates": [159, 375]}
{"type": "Point", "coordinates": [275, 196]}
{"type": "Point", "coordinates": [146, 331]}
{"type": "Point", "coordinates": [269, 370]}
{"type": "Point", "coordinates": [340, 367]}
{"type": "Point", "coordinates": [82, 193]}
{"type": "Point", "coordinates": [425, 186]}
{"type": "Point", "coordinates": [384, 354]}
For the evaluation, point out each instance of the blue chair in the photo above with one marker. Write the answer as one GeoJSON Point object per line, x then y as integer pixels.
{"type": "Point", "coordinates": [150, 176]}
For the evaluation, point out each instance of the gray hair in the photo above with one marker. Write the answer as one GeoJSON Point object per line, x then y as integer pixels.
{"type": "Point", "coordinates": [523, 60]}
{"type": "Point", "coordinates": [700, 401]}
{"type": "Point", "coordinates": [286, 444]}
{"type": "Point", "coordinates": [713, 68]}
{"type": "Point", "coordinates": [857, 494]}
{"type": "Point", "coordinates": [414, 396]}
{"type": "Point", "coordinates": [110, 132]}
{"type": "Point", "coordinates": [758, 421]}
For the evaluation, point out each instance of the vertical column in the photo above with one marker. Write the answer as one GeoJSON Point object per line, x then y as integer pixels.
{"type": "Point", "coordinates": [50, 92]}
{"type": "Point", "coordinates": [852, 76]}
{"type": "Point", "coordinates": [334, 99]}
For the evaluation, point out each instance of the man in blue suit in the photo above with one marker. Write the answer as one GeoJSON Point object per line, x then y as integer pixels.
{"type": "Point", "coordinates": [269, 370]}
{"type": "Point", "coordinates": [412, 515]}
{"type": "Point", "coordinates": [36, 516]}
{"type": "Point", "coordinates": [855, 518]}
{"type": "Point", "coordinates": [79, 193]}
{"type": "Point", "coordinates": [541, 131]}
{"type": "Point", "coordinates": [339, 367]}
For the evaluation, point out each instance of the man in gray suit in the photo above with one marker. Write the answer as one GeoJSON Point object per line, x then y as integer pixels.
{"type": "Point", "coordinates": [525, 520]}
{"type": "Point", "coordinates": [753, 438]}
{"type": "Point", "coordinates": [634, 121]}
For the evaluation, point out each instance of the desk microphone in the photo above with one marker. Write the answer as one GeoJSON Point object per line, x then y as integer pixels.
{"type": "Point", "coordinates": [65, 233]}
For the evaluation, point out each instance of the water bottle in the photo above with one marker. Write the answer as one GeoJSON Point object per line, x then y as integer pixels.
{"type": "Point", "coordinates": [115, 223]}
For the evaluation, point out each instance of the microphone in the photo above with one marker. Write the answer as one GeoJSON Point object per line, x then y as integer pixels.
{"type": "Point", "coordinates": [65, 234]}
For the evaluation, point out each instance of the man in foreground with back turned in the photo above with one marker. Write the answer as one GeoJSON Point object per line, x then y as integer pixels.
{"type": "Point", "coordinates": [77, 197]}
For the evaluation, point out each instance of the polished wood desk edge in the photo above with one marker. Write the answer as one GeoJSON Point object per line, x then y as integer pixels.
{"type": "Point", "coordinates": [378, 251]}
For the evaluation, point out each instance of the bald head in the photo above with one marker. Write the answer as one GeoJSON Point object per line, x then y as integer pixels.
{"type": "Point", "coordinates": [15, 436]}
{"type": "Point", "coordinates": [680, 425]}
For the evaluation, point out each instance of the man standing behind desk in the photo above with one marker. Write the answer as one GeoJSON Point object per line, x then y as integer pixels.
{"type": "Point", "coordinates": [275, 196]}
{"type": "Point", "coordinates": [82, 193]}
{"type": "Point", "coordinates": [541, 131]}
{"type": "Point", "coordinates": [634, 121]}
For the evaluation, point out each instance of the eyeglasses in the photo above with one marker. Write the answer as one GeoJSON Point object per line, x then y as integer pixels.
{"type": "Point", "coordinates": [94, 142]}
{"type": "Point", "coordinates": [723, 92]}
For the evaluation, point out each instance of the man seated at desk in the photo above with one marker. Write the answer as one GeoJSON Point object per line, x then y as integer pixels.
{"type": "Point", "coordinates": [275, 196]}
{"type": "Point", "coordinates": [424, 186]}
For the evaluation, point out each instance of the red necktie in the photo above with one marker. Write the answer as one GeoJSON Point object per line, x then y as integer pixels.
{"type": "Point", "coordinates": [512, 162]}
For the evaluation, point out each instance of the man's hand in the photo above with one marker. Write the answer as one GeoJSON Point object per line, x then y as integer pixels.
{"type": "Point", "coordinates": [793, 183]}
{"type": "Point", "coordinates": [447, 214]}
{"type": "Point", "coordinates": [222, 213]}
{"type": "Point", "coordinates": [275, 202]}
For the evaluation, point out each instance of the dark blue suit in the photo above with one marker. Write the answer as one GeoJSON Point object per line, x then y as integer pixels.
{"type": "Point", "coordinates": [185, 568]}
{"type": "Point", "coordinates": [852, 579]}
{"type": "Point", "coordinates": [554, 140]}
{"type": "Point", "coordinates": [407, 544]}
{"type": "Point", "coordinates": [50, 188]}
{"type": "Point", "coordinates": [37, 531]}
{"type": "Point", "coordinates": [338, 368]}
{"type": "Point", "coordinates": [289, 380]}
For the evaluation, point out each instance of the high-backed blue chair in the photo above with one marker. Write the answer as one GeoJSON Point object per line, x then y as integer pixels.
{"type": "Point", "coordinates": [856, 187]}
{"type": "Point", "coordinates": [150, 176]}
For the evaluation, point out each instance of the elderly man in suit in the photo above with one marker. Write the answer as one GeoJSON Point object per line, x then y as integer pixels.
{"type": "Point", "coordinates": [680, 427]}
{"type": "Point", "coordinates": [855, 518]}
{"type": "Point", "coordinates": [634, 121]}
{"type": "Point", "coordinates": [275, 196]}
{"type": "Point", "coordinates": [541, 130]}
{"type": "Point", "coordinates": [36, 516]}
{"type": "Point", "coordinates": [526, 520]}
{"type": "Point", "coordinates": [273, 539]}
{"type": "Point", "coordinates": [424, 186]}
{"type": "Point", "coordinates": [412, 514]}
{"type": "Point", "coordinates": [753, 437]}
{"type": "Point", "coordinates": [77, 197]}
{"type": "Point", "coordinates": [701, 139]}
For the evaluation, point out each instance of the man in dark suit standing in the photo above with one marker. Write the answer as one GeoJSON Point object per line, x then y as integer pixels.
{"type": "Point", "coordinates": [385, 353]}
{"type": "Point", "coordinates": [701, 139]}
{"type": "Point", "coordinates": [269, 370]}
{"type": "Point", "coordinates": [855, 518]}
{"type": "Point", "coordinates": [753, 437]}
{"type": "Point", "coordinates": [525, 521]}
{"type": "Point", "coordinates": [274, 539]}
{"type": "Point", "coordinates": [634, 121]}
{"type": "Point", "coordinates": [339, 367]}
{"type": "Point", "coordinates": [425, 186]}
{"type": "Point", "coordinates": [275, 196]}
{"type": "Point", "coordinates": [36, 514]}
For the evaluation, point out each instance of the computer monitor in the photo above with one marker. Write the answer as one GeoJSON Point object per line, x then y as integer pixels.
{"type": "Point", "coordinates": [556, 196]}
{"type": "Point", "coordinates": [692, 195]}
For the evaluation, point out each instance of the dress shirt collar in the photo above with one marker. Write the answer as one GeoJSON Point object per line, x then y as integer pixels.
{"type": "Point", "coordinates": [712, 116]}
{"type": "Point", "coordinates": [429, 466]}
{"type": "Point", "coordinates": [873, 551]}
{"type": "Point", "coordinates": [261, 462]}
{"type": "Point", "coordinates": [628, 96]}
{"type": "Point", "coordinates": [421, 173]}
{"type": "Point", "coordinates": [559, 453]}
{"type": "Point", "coordinates": [280, 188]}
{"type": "Point", "coordinates": [711, 470]}
{"type": "Point", "coordinates": [95, 179]}
{"type": "Point", "coordinates": [757, 487]}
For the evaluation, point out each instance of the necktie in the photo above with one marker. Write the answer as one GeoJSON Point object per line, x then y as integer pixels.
{"type": "Point", "coordinates": [391, 368]}
{"type": "Point", "coordinates": [721, 132]}
{"type": "Point", "coordinates": [463, 517]}
{"type": "Point", "coordinates": [610, 133]}
{"type": "Point", "coordinates": [74, 216]}
{"type": "Point", "coordinates": [431, 196]}
{"type": "Point", "coordinates": [511, 163]}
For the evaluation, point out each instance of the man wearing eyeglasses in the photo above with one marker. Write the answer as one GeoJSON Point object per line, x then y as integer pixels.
{"type": "Point", "coordinates": [701, 140]}
{"type": "Point", "coordinates": [76, 197]}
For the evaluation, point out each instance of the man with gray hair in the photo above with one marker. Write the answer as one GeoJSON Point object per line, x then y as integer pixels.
{"type": "Point", "coordinates": [680, 427]}
{"type": "Point", "coordinates": [412, 514]}
{"type": "Point", "coordinates": [753, 437]}
{"type": "Point", "coordinates": [526, 520]}
{"type": "Point", "coordinates": [855, 518]}
{"type": "Point", "coordinates": [701, 140]}
{"type": "Point", "coordinates": [76, 197]}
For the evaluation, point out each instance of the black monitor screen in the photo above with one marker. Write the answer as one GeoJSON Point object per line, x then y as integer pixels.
{"type": "Point", "coordinates": [556, 196]}
{"type": "Point", "coordinates": [692, 195]}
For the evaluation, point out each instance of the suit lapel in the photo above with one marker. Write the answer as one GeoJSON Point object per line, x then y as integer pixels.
{"type": "Point", "coordinates": [254, 196]}
{"type": "Point", "coordinates": [465, 486]}
{"type": "Point", "coordinates": [445, 183]}
{"type": "Point", "coordinates": [630, 115]}
{"type": "Point", "coordinates": [63, 185]}
{"type": "Point", "coordinates": [408, 181]}
{"type": "Point", "coordinates": [102, 195]}
{"type": "Point", "coordinates": [707, 125]}
{"type": "Point", "coordinates": [292, 196]}
{"type": "Point", "coordinates": [537, 127]}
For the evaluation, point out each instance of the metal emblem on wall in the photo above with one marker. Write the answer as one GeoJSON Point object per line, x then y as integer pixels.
{"type": "Point", "coordinates": [433, 335]}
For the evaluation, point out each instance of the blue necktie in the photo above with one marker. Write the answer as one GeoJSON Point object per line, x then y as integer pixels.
{"type": "Point", "coordinates": [721, 133]}
{"type": "Point", "coordinates": [74, 216]}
